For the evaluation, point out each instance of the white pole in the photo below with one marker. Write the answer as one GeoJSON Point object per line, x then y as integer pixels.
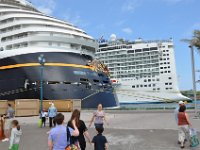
{"type": "Point", "coordinates": [193, 77]}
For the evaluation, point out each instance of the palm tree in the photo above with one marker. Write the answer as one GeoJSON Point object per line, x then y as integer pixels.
{"type": "Point", "coordinates": [194, 42]}
{"type": "Point", "coordinates": [196, 39]}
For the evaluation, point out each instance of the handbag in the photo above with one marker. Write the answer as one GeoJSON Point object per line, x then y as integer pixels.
{"type": "Point", "coordinates": [73, 144]}
{"type": "Point", "coordinates": [40, 123]}
{"type": "Point", "coordinates": [193, 138]}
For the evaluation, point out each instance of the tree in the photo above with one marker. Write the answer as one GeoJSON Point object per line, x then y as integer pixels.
{"type": "Point", "coordinates": [196, 39]}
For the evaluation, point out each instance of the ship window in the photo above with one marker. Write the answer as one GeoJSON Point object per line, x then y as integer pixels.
{"type": "Point", "coordinates": [149, 85]}
{"type": "Point", "coordinates": [161, 67]}
{"type": "Point", "coordinates": [170, 83]}
{"type": "Point", "coordinates": [131, 51]}
{"type": "Point", "coordinates": [95, 80]}
{"type": "Point", "coordinates": [170, 78]}
{"type": "Point", "coordinates": [145, 80]}
{"type": "Point", "coordinates": [166, 88]}
{"type": "Point", "coordinates": [169, 71]}
{"type": "Point", "coordinates": [145, 85]}
{"type": "Point", "coordinates": [170, 46]}
{"type": "Point", "coordinates": [105, 81]}
{"type": "Point", "coordinates": [166, 83]}
{"type": "Point", "coordinates": [141, 85]}
{"type": "Point", "coordinates": [154, 89]}
{"type": "Point", "coordinates": [158, 79]}
{"type": "Point", "coordinates": [137, 86]}
{"type": "Point", "coordinates": [154, 85]}
{"type": "Point", "coordinates": [138, 50]}
{"type": "Point", "coordinates": [66, 82]}
{"type": "Point", "coordinates": [153, 48]}
{"type": "Point", "coordinates": [145, 49]}
{"type": "Point", "coordinates": [84, 79]}
{"type": "Point", "coordinates": [158, 88]}
{"type": "Point", "coordinates": [133, 86]}
{"type": "Point", "coordinates": [149, 80]}
{"type": "Point", "coordinates": [53, 82]}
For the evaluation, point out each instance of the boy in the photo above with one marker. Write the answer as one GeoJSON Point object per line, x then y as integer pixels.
{"type": "Point", "coordinates": [44, 115]}
{"type": "Point", "coordinates": [100, 141]}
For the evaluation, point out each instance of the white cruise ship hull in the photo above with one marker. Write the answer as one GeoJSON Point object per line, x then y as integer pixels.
{"type": "Point", "coordinates": [140, 97]}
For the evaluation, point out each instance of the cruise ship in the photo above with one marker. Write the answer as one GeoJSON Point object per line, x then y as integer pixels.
{"type": "Point", "coordinates": [70, 70]}
{"type": "Point", "coordinates": [141, 71]}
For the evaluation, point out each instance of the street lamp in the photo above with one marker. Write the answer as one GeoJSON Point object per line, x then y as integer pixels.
{"type": "Point", "coordinates": [42, 61]}
{"type": "Point", "coordinates": [193, 77]}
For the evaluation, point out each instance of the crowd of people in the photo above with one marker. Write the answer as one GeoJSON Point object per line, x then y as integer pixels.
{"type": "Point", "coordinates": [61, 136]}
{"type": "Point", "coordinates": [74, 134]}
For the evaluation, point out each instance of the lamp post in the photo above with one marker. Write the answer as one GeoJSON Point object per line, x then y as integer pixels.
{"type": "Point", "coordinates": [193, 77]}
{"type": "Point", "coordinates": [42, 61]}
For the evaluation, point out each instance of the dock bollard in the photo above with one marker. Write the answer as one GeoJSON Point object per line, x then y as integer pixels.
{"type": "Point", "coordinates": [1, 129]}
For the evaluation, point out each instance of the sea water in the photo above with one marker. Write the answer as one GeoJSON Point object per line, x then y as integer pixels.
{"type": "Point", "coordinates": [159, 105]}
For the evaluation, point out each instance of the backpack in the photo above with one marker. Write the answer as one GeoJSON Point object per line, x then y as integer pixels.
{"type": "Point", "coordinates": [73, 143]}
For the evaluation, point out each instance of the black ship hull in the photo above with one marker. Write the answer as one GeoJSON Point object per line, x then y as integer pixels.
{"type": "Point", "coordinates": [65, 76]}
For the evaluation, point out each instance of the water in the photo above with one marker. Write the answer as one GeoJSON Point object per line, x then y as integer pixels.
{"type": "Point", "coordinates": [159, 105]}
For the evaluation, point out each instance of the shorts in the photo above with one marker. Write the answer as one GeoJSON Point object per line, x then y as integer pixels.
{"type": "Point", "coordinates": [7, 125]}
{"type": "Point", "coordinates": [98, 125]}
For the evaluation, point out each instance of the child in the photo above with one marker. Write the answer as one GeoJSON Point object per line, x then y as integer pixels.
{"type": "Point", "coordinates": [43, 115]}
{"type": "Point", "coordinates": [15, 135]}
{"type": "Point", "coordinates": [100, 141]}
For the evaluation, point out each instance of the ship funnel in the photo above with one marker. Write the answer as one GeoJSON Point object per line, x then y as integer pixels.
{"type": "Point", "coordinates": [113, 37]}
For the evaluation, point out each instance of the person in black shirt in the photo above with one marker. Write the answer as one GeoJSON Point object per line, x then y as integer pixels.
{"type": "Point", "coordinates": [100, 141]}
{"type": "Point", "coordinates": [83, 131]}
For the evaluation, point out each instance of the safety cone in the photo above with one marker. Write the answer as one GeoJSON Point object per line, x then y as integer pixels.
{"type": "Point", "coordinates": [1, 129]}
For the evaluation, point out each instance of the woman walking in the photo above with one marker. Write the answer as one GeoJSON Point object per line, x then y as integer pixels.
{"type": "Point", "coordinates": [83, 131]}
{"type": "Point", "coordinates": [52, 112]}
{"type": "Point", "coordinates": [98, 117]}
{"type": "Point", "coordinates": [184, 124]}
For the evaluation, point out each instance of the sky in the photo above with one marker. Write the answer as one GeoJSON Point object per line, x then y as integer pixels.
{"type": "Point", "coordinates": [131, 19]}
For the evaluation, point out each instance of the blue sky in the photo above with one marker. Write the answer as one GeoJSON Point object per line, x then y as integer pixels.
{"type": "Point", "coordinates": [130, 19]}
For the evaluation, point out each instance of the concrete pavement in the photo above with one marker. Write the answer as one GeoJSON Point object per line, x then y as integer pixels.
{"type": "Point", "coordinates": [129, 131]}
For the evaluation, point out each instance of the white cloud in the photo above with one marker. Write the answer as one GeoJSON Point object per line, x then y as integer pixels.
{"type": "Point", "coordinates": [130, 5]}
{"type": "Point", "coordinates": [45, 6]}
{"type": "Point", "coordinates": [127, 30]}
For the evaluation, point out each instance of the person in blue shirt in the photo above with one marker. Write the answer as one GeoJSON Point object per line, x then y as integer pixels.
{"type": "Point", "coordinates": [57, 139]}
{"type": "Point", "coordinates": [52, 112]}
